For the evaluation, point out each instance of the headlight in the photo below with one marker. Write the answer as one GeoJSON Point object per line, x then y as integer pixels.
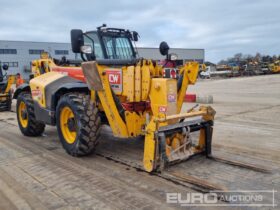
{"type": "Point", "coordinates": [173, 56]}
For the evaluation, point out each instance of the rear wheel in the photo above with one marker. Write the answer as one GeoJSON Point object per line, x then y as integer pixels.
{"type": "Point", "coordinates": [9, 102]}
{"type": "Point", "coordinates": [6, 103]}
{"type": "Point", "coordinates": [27, 122]}
{"type": "Point", "coordinates": [78, 124]}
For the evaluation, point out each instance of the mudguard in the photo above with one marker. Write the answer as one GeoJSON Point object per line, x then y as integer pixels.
{"type": "Point", "coordinates": [47, 115]}
{"type": "Point", "coordinates": [22, 88]}
{"type": "Point", "coordinates": [67, 88]}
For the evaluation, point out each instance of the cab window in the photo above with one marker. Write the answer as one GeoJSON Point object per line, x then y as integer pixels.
{"type": "Point", "coordinates": [97, 47]}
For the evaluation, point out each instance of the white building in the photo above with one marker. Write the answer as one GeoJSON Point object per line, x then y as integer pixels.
{"type": "Point", "coordinates": [183, 54]}
{"type": "Point", "coordinates": [19, 54]}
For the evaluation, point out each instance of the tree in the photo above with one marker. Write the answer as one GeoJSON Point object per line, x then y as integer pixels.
{"type": "Point", "coordinates": [258, 57]}
{"type": "Point", "coordinates": [222, 62]}
{"type": "Point", "coordinates": [237, 57]}
{"type": "Point", "coordinates": [267, 58]}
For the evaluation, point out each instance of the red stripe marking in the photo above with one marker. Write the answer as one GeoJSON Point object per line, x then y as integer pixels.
{"type": "Point", "coordinates": [75, 73]}
{"type": "Point", "coordinates": [190, 97]}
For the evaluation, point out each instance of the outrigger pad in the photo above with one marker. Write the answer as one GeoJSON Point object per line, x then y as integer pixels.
{"type": "Point", "coordinates": [92, 77]}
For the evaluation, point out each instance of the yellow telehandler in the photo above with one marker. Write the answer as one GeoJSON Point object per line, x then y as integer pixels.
{"type": "Point", "coordinates": [6, 82]}
{"type": "Point", "coordinates": [113, 86]}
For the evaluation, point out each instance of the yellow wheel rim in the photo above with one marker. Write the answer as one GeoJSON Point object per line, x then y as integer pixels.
{"type": "Point", "coordinates": [22, 113]}
{"type": "Point", "coordinates": [67, 115]}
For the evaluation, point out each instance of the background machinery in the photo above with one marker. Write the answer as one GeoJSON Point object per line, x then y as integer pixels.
{"type": "Point", "coordinates": [6, 82]}
{"type": "Point", "coordinates": [275, 67]}
{"type": "Point", "coordinates": [134, 96]}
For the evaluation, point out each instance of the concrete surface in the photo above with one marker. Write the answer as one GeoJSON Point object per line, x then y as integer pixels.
{"type": "Point", "coordinates": [36, 173]}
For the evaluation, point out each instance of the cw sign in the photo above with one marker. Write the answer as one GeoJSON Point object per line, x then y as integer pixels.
{"type": "Point", "coordinates": [115, 79]}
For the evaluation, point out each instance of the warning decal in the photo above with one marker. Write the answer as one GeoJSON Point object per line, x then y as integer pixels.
{"type": "Point", "coordinates": [171, 98]}
{"type": "Point", "coordinates": [37, 94]}
{"type": "Point", "coordinates": [115, 79]}
{"type": "Point", "coordinates": [162, 109]}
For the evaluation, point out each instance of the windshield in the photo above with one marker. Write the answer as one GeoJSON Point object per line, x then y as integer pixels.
{"type": "Point", "coordinates": [118, 47]}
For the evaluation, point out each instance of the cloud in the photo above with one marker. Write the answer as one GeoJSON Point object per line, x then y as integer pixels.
{"type": "Point", "coordinates": [222, 28]}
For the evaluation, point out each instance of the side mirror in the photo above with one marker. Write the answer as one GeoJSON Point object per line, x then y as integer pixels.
{"type": "Point", "coordinates": [77, 40]}
{"type": "Point", "coordinates": [163, 48]}
{"type": "Point", "coordinates": [5, 67]}
{"type": "Point", "coordinates": [135, 36]}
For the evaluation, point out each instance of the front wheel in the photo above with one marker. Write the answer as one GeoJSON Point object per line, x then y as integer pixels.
{"type": "Point", "coordinates": [78, 124]}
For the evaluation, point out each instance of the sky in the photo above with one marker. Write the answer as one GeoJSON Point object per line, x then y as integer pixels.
{"type": "Point", "coordinates": [221, 27]}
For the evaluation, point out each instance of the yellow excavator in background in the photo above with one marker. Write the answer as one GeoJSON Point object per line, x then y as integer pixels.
{"type": "Point", "coordinates": [134, 96]}
{"type": "Point", "coordinates": [6, 82]}
{"type": "Point", "coordinates": [275, 67]}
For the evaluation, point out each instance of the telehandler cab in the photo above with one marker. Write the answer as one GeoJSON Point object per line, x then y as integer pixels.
{"type": "Point", "coordinates": [134, 96]}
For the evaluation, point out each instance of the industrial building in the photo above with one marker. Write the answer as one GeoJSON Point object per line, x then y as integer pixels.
{"type": "Point", "coordinates": [19, 54]}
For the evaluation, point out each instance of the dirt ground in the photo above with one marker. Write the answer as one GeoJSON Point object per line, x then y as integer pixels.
{"type": "Point", "coordinates": [36, 173]}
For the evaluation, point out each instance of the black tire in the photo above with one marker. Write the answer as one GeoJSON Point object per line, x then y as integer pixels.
{"type": "Point", "coordinates": [6, 105]}
{"type": "Point", "coordinates": [34, 127]}
{"type": "Point", "coordinates": [9, 105]}
{"type": "Point", "coordinates": [9, 102]}
{"type": "Point", "coordinates": [86, 120]}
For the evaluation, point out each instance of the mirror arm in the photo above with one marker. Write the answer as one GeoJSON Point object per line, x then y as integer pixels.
{"type": "Point", "coordinates": [83, 56]}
